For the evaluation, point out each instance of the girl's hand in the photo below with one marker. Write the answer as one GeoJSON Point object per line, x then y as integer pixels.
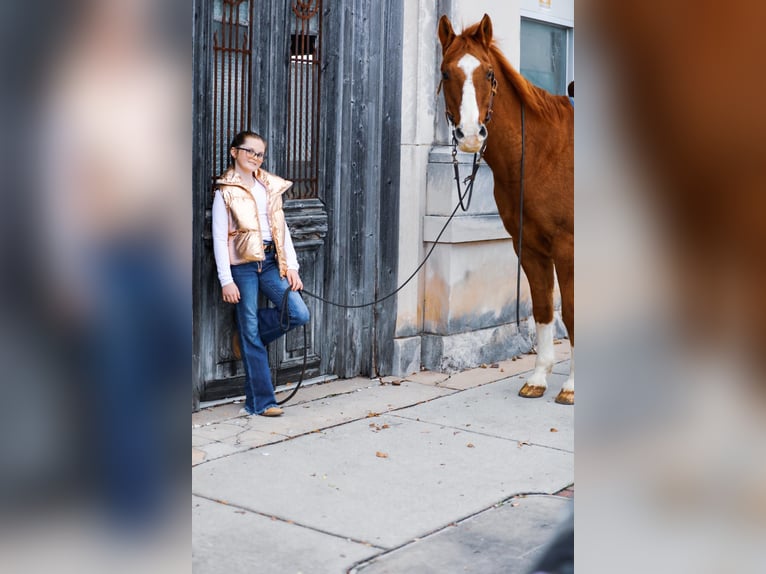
{"type": "Point", "coordinates": [230, 293]}
{"type": "Point", "coordinates": [294, 280]}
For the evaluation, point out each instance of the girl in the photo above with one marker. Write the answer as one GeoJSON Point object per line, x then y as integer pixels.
{"type": "Point", "coordinates": [254, 253]}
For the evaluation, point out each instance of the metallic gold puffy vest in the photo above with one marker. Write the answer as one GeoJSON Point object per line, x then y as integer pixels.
{"type": "Point", "coordinates": [245, 233]}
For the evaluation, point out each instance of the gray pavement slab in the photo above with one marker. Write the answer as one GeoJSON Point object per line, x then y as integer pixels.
{"type": "Point", "coordinates": [497, 410]}
{"type": "Point", "coordinates": [474, 378]}
{"type": "Point", "coordinates": [562, 368]}
{"type": "Point", "coordinates": [427, 377]}
{"type": "Point", "coordinates": [506, 539]}
{"type": "Point", "coordinates": [217, 438]}
{"type": "Point", "coordinates": [336, 480]}
{"type": "Point", "coordinates": [229, 540]}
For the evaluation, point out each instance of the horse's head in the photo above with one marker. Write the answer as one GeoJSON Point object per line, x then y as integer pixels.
{"type": "Point", "coordinates": [468, 80]}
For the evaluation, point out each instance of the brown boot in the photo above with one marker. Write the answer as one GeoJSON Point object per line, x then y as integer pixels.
{"type": "Point", "coordinates": [272, 412]}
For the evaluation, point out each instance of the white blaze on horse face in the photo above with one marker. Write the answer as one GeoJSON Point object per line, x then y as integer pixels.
{"type": "Point", "coordinates": [469, 107]}
{"type": "Point", "coordinates": [545, 356]}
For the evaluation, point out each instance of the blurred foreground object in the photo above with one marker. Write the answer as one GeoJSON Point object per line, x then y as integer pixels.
{"type": "Point", "coordinates": [670, 140]}
{"type": "Point", "coordinates": [688, 84]}
{"type": "Point", "coordinates": [101, 222]}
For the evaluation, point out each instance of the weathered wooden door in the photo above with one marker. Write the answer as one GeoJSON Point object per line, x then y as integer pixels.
{"type": "Point", "coordinates": [310, 76]}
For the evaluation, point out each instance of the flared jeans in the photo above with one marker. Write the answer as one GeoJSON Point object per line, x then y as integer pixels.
{"type": "Point", "coordinates": [259, 327]}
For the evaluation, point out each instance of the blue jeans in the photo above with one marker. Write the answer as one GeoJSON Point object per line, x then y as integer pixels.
{"type": "Point", "coordinates": [259, 327]}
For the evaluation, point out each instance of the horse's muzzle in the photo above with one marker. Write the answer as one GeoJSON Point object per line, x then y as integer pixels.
{"type": "Point", "coordinates": [470, 144]}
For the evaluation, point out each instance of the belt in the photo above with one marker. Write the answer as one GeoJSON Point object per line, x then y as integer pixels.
{"type": "Point", "coordinates": [269, 247]}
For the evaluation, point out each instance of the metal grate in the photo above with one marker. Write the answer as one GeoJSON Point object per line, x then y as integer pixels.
{"type": "Point", "coordinates": [232, 84]}
{"type": "Point", "coordinates": [302, 153]}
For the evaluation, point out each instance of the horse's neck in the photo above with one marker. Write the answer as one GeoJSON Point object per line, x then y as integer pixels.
{"type": "Point", "coordinates": [504, 142]}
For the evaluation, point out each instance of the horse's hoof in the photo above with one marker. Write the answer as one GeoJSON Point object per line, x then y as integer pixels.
{"type": "Point", "coordinates": [530, 392]}
{"type": "Point", "coordinates": [565, 397]}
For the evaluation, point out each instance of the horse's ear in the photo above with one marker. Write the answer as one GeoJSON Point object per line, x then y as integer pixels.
{"type": "Point", "coordinates": [484, 31]}
{"type": "Point", "coordinates": [446, 33]}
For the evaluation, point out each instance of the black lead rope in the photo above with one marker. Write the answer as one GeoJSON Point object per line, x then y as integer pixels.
{"type": "Point", "coordinates": [460, 205]}
{"type": "Point", "coordinates": [468, 181]}
{"type": "Point", "coordinates": [284, 317]}
{"type": "Point", "coordinates": [284, 323]}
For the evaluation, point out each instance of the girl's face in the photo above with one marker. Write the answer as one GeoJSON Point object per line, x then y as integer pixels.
{"type": "Point", "coordinates": [249, 156]}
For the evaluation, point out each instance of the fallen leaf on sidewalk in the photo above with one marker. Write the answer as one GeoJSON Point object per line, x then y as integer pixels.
{"type": "Point", "coordinates": [381, 454]}
{"type": "Point", "coordinates": [553, 429]}
{"type": "Point", "coordinates": [198, 456]}
{"type": "Point", "coordinates": [470, 445]}
{"type": "Point", "coordinates": [522, 443]}
{"type": "Point", "coordinates": [494, 366]}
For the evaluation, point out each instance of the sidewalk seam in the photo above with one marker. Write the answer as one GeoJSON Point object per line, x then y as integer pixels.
{"type": "Point", "coordinates": [466, 430]}
{"type": "Point", "coordinates": [287, 521]}
{"type": "Point", "coordinates": [455, 523]}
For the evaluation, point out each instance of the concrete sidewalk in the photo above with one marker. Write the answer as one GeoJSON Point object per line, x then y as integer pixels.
{"type": "Point", "coordinates": [427, 474]}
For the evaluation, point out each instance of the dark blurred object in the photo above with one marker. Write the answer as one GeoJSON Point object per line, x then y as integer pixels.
{"type": "Point", "coordinates": [558, 557]}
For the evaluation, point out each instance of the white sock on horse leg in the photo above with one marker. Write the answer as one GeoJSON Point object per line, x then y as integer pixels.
{"type": "Point", "coordinates": [545, 355]}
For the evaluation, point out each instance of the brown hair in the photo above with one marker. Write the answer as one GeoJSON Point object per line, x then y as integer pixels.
{"type": "Point", "coordinates": [239, 139]}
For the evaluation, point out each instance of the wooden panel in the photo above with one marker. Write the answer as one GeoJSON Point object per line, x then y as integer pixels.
{"type": "Point", "coordinates": [390, 182]}
{"type": "Point", "coordinates": [361, 89]}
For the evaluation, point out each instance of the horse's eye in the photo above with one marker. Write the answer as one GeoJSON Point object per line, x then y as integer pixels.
{"type": "Point", "coordinates": [445, 76]}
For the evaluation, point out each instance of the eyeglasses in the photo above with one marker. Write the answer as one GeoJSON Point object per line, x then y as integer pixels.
{"type": "Point", "coordinates": [252, 153]}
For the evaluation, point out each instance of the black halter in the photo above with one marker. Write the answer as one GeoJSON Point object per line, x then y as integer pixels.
{"type": "Point", "coordinates": [465, 196]}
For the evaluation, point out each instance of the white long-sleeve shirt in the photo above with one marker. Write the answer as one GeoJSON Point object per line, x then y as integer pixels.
{"type": "Point", "coordinates": [223, 251]}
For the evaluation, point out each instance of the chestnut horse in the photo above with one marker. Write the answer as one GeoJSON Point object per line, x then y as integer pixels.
{"type": "Point", "coordinates": [479, 84]}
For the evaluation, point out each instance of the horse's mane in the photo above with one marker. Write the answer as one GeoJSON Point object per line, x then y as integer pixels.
{"type": "Point", "coordinates": [536, 98]}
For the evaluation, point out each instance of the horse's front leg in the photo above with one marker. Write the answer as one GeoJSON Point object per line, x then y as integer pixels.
{"type": "Point", "coordinates": [537, 384]}
{"type": "Point", "coordinates": [539, 271]}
